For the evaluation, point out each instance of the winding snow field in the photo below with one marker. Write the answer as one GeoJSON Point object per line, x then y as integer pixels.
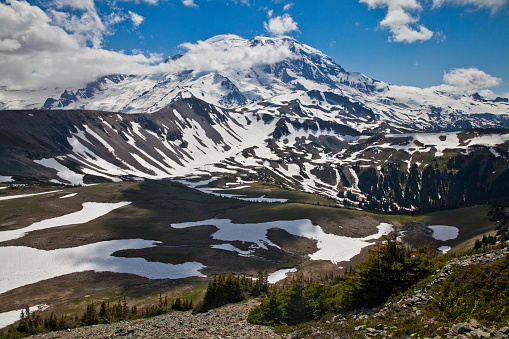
{"type": "Point", "coordinates": [330, 247]}
{"type": "Point", "coordinates": [26, 195]}
{"type": "Point", "coordinates": [90, 211]}
{"type": "Point", "coordinates": [22, 265]}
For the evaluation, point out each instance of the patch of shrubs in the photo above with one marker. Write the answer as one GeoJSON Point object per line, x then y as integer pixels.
{"type": "Point", "coordinates": [224, 290]}
{"type": "Point", "coordinates": [390, 268]}
{"type": "Point", "coordinates": [477, 291]}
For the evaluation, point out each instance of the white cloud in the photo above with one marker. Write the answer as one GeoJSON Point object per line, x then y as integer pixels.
{"type": "Point", "coordinates": [270, 12]}
{"type": "Point", "coordinates": [88, 27]}
{"type": "Point", "coordinates": [35, 53]}
{"type": "Point", "coordinates": [401, 20]}
{"type": "Point", "coordinates": [214, 56]}
{"type": "Point", "coordinates": [287, 7]}
{"type": "Point", "coordinates": [150, 2]}
{"type": "Point", "coordinates": [189, 3]}
{"type": "Point", "coordinates": [280, 25]}
{"type": "Point", "coordinates": [244, 2]}
{"type": "Point", "coordinates": [136, 19]}
{"type": "Point", "coordinates": [493, 5]}
{"type": "Point", "coordinates": [470, 79]}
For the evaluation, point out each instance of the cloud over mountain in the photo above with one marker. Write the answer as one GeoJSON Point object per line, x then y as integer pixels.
{"type": "Point", "coordinates": [470, 78]}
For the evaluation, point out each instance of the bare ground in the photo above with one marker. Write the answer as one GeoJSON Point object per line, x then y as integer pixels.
{"type": "Point", "coordinates": [226, 322]}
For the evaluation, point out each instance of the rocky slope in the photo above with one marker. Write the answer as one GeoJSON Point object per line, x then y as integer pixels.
{"type": "Point", "coordinates": [226, 322]}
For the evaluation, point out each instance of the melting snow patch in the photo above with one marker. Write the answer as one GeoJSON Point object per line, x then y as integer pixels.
{"type": "Point", "coordinates": [68, 196]}
{"type": "Point", "coordinates": [25, 265]}
{"type": "Point", "coordinates": [26, 195]}
{"type": "Point", "coordinates": [444, 249]}
{"type": "Point", "coordinates": [90, 211]}
{"type": "Point", "coordinates": [10, 317]}
{"type": "Point", "coordinates": [274, 277]}
{"type": "Point", "coordinates": [62, 171]}
{"type": "Point", "coordinates": [5, 179]}
{"type": "Point", "coordinates": [330, 247]}
{"type": "Point", "coordinates": [444, 233]}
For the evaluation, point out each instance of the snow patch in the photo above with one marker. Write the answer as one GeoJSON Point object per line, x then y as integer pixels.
{"type": "Point", "coordinates": [10, 317]}
{"type": "Point", "coordinates": [26, 195]}
{"type": "Point", "coordinates": [444, 249]}
{"type": "Point", "coordinates": [62, 171]}
{"type": "Point", "coordinates": [25, 265]}
{"type": "Point", "coordinates": [331, 247]}
{"type": "Point", "coordinates": [276, 276]}
{"type": "Point", "coordinates": [90, 211]}
{"type": "Point", "coordinates": [68, 196]}
{"type": "Point", "coordinates": [3, 178]}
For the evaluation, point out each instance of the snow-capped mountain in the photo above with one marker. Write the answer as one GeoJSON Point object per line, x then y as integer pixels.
{"type": "Point", "coordinates": [272, 109]}
{"type": "Point", "coordinates": [231, 72]}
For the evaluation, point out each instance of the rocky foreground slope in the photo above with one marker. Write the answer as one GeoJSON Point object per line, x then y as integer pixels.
{"type": "Point", "coordinates": [230, 321]}
{"type": "Point", "coordinates": [226, 322]}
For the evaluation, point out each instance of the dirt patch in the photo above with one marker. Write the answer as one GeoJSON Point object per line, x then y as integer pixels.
{"type": "Point", "coordinates": [356, 227]}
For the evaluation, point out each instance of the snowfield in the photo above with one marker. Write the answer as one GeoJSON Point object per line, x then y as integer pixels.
{"type": "Point", "coordinates": [331, 247]}
{"type": "Point", "coordinates": [22, 265]}
{"type": "Point", "coordinates": [90, 211]}
{"type": "Point", "coordinates": [10, 317]}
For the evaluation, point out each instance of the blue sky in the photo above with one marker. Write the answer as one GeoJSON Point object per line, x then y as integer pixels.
{"type": "Point", "coordinates": [402, 42]}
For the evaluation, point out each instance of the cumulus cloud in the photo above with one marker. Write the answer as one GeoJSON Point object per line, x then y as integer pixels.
{"type": "Point", "coordinates": [470, 79]}
{"type": "Point", "coordinates": [402, 20]}
{"type": "Point", "coordinates": [493, 5]}
{"type": "Point", "coordinates": [35, 53]}
{"type": "Point", "coordinates": [136, 19]}
{"type": "Point", "coordinates": [280, 25]}
{"type": "Point", "coordinates": [211, 56]}
{"type": "Point", "coordinates": [87, 28]}
{"type": "Point", "coordinates": [189, 3]}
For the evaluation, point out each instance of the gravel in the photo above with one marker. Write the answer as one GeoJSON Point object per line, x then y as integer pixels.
{"type": "Point", "coordinates": [226, 322]}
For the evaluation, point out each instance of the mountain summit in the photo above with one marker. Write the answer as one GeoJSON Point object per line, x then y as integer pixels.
{"type": "Point", "coordinates": [273, 108]}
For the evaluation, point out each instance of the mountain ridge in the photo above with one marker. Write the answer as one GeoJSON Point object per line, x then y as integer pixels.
{"type": "Point", "coordinates": [292, 116]}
